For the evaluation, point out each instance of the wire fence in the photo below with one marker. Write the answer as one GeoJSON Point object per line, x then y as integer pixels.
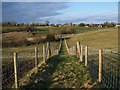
{"type": "Point", "coordinates": [16, 66]}
{"type": "Point", "coordinates": [7, 70]}
{"type": "Point", "coordinates": [93, 62]}
{"type": "Point", "coordinates": [111, 73]}
{"type": "Point", "coordinates": [103, 65]}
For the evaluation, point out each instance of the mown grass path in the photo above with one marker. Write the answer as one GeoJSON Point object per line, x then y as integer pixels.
{"type": "Point", "coordinates": [60, 71]}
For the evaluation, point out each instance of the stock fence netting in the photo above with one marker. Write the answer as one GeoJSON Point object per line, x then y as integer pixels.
{"type": "Point", "coordinates": [111, 73]}
{"type": "Point", "coordinates": [93, 62]}
{"type": "Point", "coordinates": [26, 61]}
{"type": "Point", "coordinates": [7, 69]}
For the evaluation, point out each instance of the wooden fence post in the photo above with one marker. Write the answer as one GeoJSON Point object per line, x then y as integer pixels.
{"type": "Point", "coordinates": [44, 54]}
{"type": "Point", "coordinates": [86, 55]}
{"type": "Point", "coordinates": [100, 66]}
{"type": "Point", "coordinates": [36, 57]}
{"type": "Point", "coordinates": [73, 50]}
{"type": "Point", "coordinates": [48, 50]}
{"type": "Point", "coordinates": [16, 69]}
{"type": "Point", "coordinates": [81, 53]}
{"type": "Point", "coordinates": [78, 49]}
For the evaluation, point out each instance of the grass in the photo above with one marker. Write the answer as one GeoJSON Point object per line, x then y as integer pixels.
{"type": "Point", "coordinates": [104, 38]}
{"type": "Point", "coordinates": [60, 71]}
{"type": "Point", "coordinates": [63, 70]}
{"type": "Point", "coordinates": [23, 51]}
{"type": "Point", "coordinates": [26, 58]}
{"type": "Point", "coordinates": [56, 30]}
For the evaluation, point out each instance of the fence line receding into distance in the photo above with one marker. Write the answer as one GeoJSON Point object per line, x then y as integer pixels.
{"type": "Point", "coordinates": [103, 65]}
{"type": "Point", "coordinates": [19, 64]}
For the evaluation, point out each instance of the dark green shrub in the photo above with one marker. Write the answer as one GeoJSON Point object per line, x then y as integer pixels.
{"type": "Point", "coordinates": [50, 37]}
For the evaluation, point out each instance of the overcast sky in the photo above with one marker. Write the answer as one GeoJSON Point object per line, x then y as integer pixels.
{"type": "Point", "coordinates": [60, 12]}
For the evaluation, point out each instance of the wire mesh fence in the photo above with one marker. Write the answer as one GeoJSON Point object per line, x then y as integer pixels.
{"type": "Point", "coordinates": [111, 73]}
{"type": "Point", "coordinates": [26, 60]}
{"type": "Point", "coordinates": [7, 70]}
{"type": "Point", "coordinates": [93, 62]}
{"type": "Point", "coordinates": [103, 65]}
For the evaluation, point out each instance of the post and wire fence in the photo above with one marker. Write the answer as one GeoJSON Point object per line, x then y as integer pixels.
{"type": "Point", "coordinates": [103, 65]}
{"type": "Point", "coordinates": [17, 65]}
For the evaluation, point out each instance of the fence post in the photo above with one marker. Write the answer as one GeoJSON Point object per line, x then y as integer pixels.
{"type": "Point", "coordinates": [48, 50]}
{"type": "Point", "coordinates": [81, 53]}
{"type": "Point", "coordinates": [16, 69]}
{"type": "Point", "coordinates": [86, 55]}
{"type": "Point", "coordinates": [74, 50]}
{"type": "Point", "coordinates": [36, 57]}
{"type": "Point", "coordinates": [78, 49]}
{"type": "Point", "coordinates": [100, 66]}
{"type": "Point", "coordinates": [44, 54]}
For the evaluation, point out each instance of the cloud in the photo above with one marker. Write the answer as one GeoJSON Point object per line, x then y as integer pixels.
{"type": "Point", "coordinates": [30, 11]}
{"type": "Point", "coordinates": [41, 11]}
{"type": "Point", "coordinates": [89, 19]}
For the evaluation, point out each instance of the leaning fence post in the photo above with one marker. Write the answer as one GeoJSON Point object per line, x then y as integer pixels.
{"type": "Point", "coordinates": [81, 53]}
{"type": "Point", "coordinates": [100, 66]}
{"type": "Point", "coordinates": [36, 57]}
{"type": "Point", "coordinates": [16, 69]}
{"type": "Point", "coordinates": [86, 55]}
{"type": "Point", "coordinates": [44, 54]}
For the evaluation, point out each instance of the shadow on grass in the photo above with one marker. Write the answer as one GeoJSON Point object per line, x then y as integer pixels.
{"type": "Point", "coordinates": [42, 79]}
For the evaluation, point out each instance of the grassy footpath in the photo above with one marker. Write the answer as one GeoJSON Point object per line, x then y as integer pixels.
{"type": "Point", "coordinates": [60, 71]}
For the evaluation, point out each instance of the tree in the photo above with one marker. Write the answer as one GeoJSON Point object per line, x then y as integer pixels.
{"type": "Point", "coordinates": [109, 24]}
{"type": "Point", "coordinates": [82, 24]}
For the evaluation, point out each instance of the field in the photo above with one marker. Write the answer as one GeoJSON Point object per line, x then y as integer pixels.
{"type": "Point", "coordinates": [55, 73]}
{"type": "Point", "coordinates": [60, 76]}
{"type": "Point", "coordinates": [100, 39]}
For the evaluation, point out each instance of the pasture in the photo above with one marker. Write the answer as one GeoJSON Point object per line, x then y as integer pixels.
{"type": "Point", "coordinates": [93, 37]}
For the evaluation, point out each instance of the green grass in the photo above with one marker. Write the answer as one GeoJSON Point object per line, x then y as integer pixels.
{"type": "Point", "coordinates": [23, 51]}
{"type": "Point", "coordinates": [60, 71]}
{"type": "Point", "coordinates": [104, 38]}
{"type": "Point", "coordinates": [56, 30]}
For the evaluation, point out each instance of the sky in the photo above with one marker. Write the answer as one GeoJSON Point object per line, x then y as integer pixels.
{"type": "Point", "coordinates": [60, 12]}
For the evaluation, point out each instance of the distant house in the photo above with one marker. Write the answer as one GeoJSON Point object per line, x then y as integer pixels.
{"type": "Point", "coordinates": [99, 25]}
{"type": "Point", "coordinates": [117, 25]}
{"type": "Point", "coordinates": [86, 26]}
